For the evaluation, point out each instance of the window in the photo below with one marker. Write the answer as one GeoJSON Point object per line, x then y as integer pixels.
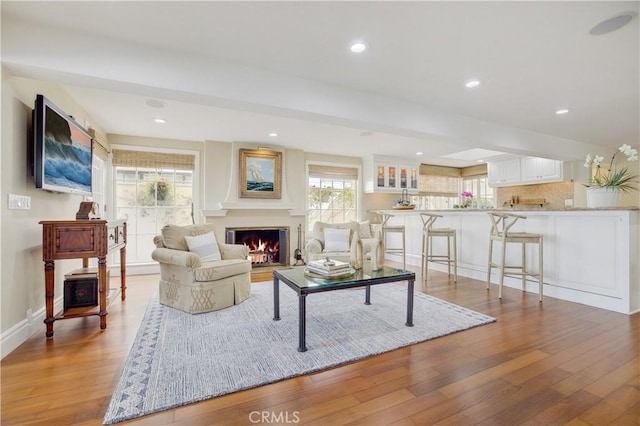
{"type": "Point", "coordinates": [332, 194]}
{"type": "Point", "coordinates": [479, 187]}
{"type": "Point", "coordinates": [151, 190]}
{"type": "Point", "coordinates": [439, 188]}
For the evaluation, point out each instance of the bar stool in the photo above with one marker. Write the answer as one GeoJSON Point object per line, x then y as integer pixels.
{"type": "Point", "coordinates": [500, 225]}
{"type": "Point", "coordinates": [428, 233]}
{"type": "Point", "coordinates": [386, 229]}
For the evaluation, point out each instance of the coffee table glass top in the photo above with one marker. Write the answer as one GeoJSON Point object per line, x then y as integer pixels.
{"type": "Point", "coordinates": [305, 281]}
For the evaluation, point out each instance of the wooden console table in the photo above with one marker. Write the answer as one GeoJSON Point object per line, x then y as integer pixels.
{"type": "Point", "coordinates": [75, 239]}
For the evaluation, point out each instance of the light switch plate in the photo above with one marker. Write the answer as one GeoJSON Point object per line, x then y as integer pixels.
{"type": "Point", "coordinates": [568, 202]}
{"type": "Point", "coordinates": [19, 202]}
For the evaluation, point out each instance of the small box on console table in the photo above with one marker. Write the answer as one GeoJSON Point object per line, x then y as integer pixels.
{"type": "Point", "coordinates": [80, 292]}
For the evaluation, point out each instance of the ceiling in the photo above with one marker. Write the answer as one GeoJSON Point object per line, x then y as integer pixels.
{"type": "Point", "coordinates": [236, 71]}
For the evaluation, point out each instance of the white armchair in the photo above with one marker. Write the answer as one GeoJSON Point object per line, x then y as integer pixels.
{"type": "Point", "coordinates": [343, 241]}
{"type": "Point", "coordinates": [194, 284]}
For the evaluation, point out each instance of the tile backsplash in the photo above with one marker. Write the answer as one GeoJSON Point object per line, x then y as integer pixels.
{"type": "Point", "coordinates": [554, 194]}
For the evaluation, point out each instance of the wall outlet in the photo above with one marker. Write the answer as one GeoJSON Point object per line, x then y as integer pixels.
{"type": "Point", "coordinates": [568, 202]}
{"type": "Point", "coordinates": [19, 202]}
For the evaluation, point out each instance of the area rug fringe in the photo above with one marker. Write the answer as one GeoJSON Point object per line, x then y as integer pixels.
{"type": "Point", "coordinates": [178, 359]}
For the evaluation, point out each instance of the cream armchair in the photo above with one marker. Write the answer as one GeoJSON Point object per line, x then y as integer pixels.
{"type": "Point", "coordinates": [346, 244]}
{"type": "Point", "coordinates": [193, 284]}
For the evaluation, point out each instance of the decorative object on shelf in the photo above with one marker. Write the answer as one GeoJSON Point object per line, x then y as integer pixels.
{"type": "Point", "coordinates": [260, 173]}
{"type": "Point", "coordinates": [605, 186]}
{"type": "Point", "coordinates": [404, 203]}
{"type": "Point", "coordinates": [88, 210]}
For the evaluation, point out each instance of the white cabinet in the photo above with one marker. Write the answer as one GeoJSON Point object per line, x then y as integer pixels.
{"type": "Point", "coordinates": [385, 174]}
{"type": "Point", "coordinates": [540, 170]}
{"type": "Point", "coordinates": [504, 173]}
{"type": "Point", "coordinates": [526, 171]}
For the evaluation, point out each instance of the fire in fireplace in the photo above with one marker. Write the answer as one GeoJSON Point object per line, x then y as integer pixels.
{"type": "Point", "coordinates": [267, 246]}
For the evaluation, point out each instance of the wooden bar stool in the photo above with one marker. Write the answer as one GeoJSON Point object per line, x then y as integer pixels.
{"type": "Point", "coordinates": [428, 233]}
{"type": "Point", "coordinates": [501, 223]}
{"type": "Point", "coordinates": [386, 229]}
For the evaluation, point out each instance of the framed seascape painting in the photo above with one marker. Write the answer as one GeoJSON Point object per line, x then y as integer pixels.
{"type": "Point", "coordinates": [260, 174]}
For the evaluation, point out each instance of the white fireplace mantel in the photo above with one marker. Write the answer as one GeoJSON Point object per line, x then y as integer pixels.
{"type": "Point", "coordinates": [226, 207]}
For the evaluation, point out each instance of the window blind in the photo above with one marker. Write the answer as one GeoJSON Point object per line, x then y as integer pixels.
{"type": "Point", "coordinates": [439, 180]}
{"type": "Point", "coordinates": [101, 146]}
{"type": "Point", "coordinates": [332, 172]}
{"type": "Point", "coordinates": [474, 171]}
{"type": "Point", "coordinates": [153, 160]}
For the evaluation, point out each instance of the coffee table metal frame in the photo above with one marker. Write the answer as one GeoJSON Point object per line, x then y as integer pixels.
{"type": "Point", "coordinates": [304, 285]}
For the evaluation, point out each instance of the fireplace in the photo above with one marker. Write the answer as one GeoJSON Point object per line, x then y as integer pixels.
{"type": "Point", "coordinates": [268, 246]}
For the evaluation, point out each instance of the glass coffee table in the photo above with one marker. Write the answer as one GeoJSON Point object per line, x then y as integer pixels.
{"type": "Point", "coordinates": [304, 284]}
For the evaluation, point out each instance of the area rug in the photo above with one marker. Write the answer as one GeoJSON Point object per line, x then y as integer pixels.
{"type": "Point", "coordinates": [178, 358]}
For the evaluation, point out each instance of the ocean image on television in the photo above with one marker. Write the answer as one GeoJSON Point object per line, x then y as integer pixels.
{"type": "Point", "coordinates": [67, 155]}
{"type": "Point", "coordinates": [67, 165]}
{"type": "Point", "coordinates": [260, 175]}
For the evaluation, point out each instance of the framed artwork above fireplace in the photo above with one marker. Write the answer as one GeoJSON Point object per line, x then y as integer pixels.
{"type": "Point", "coordinates": [260, 174]}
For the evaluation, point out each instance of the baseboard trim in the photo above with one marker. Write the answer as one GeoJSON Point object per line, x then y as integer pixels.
{"type": "Point", "coordinates": [22, 331]}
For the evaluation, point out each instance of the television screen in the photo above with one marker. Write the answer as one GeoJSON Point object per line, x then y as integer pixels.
{"type": "Point", "coordinates": [62, 150]}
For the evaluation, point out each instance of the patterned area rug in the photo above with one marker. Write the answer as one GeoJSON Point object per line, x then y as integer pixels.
{"type": "Point", "coordinates": [177, 358]}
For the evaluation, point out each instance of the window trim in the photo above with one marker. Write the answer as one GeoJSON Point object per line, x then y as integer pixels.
{"type": "Point", "coordinates": [359, 185]}
{"type": "Point", "coordinates": [196, 174]}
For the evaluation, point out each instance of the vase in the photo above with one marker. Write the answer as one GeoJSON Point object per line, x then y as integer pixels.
{"type": "Point", "coordinates": [602, 197]}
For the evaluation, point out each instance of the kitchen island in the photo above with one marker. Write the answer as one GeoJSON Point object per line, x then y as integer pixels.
{"type": "Point", "coordinates": [591, 256]}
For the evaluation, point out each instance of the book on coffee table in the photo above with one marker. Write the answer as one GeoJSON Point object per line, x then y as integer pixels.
{"type": "Point", "coordinates": [329, 265]}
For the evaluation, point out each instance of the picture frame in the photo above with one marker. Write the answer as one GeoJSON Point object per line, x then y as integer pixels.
{"type": "Point", "coordinates": [260, 174]}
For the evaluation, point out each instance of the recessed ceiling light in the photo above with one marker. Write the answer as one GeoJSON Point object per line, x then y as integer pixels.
{"type": "Point", "coordinates": [472, 83]}
{"type": "Point", "coordinates": [154, 103]}
{"type": "Point", "coordinates": [273, 135]}
{"type": "Point", "coordinates": [419, 153]}
{"type": "Point", "coordinates": [160, 120]}
{"type": "Point", "coordinates": [613, 24]}
{"type": "Point", "coordinates": [358, 47]}
{"type": "Point", "coordinates": [480, 161]}
{"type": "Point", "coordinates": [562, 111]}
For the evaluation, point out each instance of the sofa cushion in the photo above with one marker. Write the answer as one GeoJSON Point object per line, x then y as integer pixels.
{"type": "Point", "coordinates": [204, 245]}
{"type": "Point", "coordinates": [319, 227]}
{"type": "Point", "coordinates": [173, 235]}
{"type": "Point", "coordinates": [219, 269]}
{"type": "Point", "coordinates": [336, 239]}
{"type": "Point", "coordinates": [365, 229]}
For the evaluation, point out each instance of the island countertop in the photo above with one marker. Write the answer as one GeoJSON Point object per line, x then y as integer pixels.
{"type": "Point", "coordinates": [508, 209]}
{"type": "Point", "coordinates": [590, 254]}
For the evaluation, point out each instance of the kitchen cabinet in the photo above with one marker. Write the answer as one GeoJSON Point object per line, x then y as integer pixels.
{"type": "Point", "coordinates": [526, 171]}
{"type": "Point", "coordinates": [540, 170]}
{"type": "Point", "coordinates": [386, 174]}
{"type": "Point", "coordinates": [504, 173]}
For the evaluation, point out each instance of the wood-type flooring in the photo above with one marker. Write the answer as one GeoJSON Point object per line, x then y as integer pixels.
{"type": "Point", "coordinates": [555, 363]}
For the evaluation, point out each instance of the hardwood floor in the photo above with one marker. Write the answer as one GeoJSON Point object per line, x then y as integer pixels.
{"type": "Point", "coordinates": [554, 363]}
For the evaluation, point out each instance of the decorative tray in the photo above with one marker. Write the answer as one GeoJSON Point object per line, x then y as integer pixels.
{"type": "Point", "coordinates": [410, 207]}
{"type": "Point", "coordinates": [349, 272]}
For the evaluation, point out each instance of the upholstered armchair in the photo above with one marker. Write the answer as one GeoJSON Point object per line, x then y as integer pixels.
{"type": "Point", "coordinates": [202, 279]}
{"type": "Point", "coordinates": [342, 241]}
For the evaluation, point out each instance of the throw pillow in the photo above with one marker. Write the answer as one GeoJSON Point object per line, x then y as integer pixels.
{"type": "Point", "coordinates": [336, 239]}
{"type": "Point", "coordinates": [204, 245]}
{"type": "Point", "coordinates": [365, 229]}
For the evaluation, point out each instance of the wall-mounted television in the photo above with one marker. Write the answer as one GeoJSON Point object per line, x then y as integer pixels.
{"type": "Point", "coordinates": [63, 150]}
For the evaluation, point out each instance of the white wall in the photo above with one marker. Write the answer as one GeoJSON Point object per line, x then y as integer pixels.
{"type": "Point", "coordinates": [22, 273]}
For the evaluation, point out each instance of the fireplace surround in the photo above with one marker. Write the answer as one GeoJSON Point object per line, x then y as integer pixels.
{"type": "Point", "coordinates": [268, 246]}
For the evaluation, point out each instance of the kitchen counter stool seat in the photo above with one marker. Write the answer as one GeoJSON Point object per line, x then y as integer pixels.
{"type": "Point", "coordinates": [501, 223]}
{"type": "Point", "coordinates": [387, 229]}
{"type": "Point", "coordinates": [428, 233]}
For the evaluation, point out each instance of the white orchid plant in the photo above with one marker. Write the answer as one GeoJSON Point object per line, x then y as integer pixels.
{"type": "Point", "coordinates": [621, 179]}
